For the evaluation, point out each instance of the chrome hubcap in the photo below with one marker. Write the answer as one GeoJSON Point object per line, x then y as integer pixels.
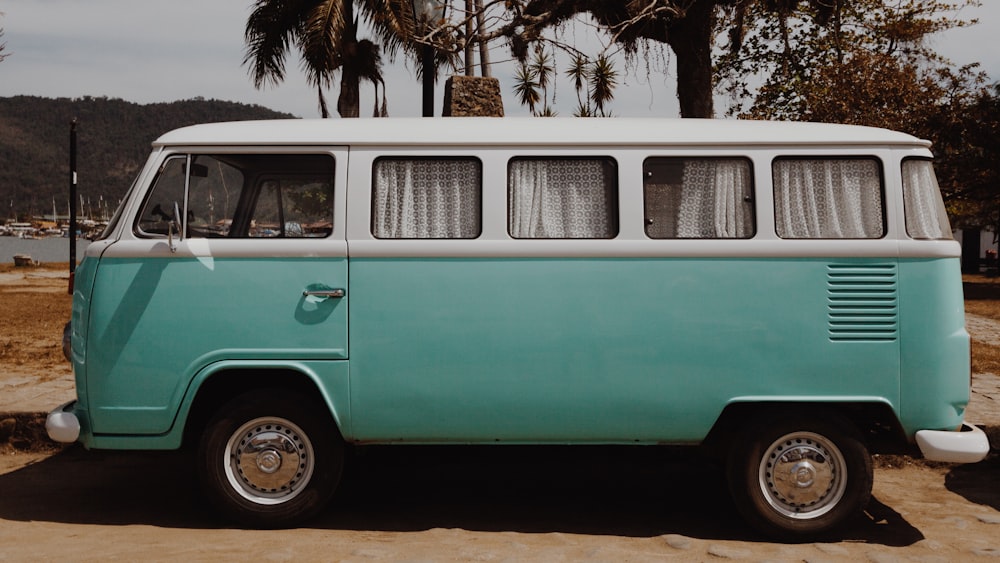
{"type": "Point", "coordinates": [803, 475]}
{"type": "Point", "coordinates": [269, 460]}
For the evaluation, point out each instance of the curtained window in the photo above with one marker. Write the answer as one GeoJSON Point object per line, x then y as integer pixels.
{"type": "Point", "coordinates": [698, 198]}
{"type": "Point", "coordinates": [427, 198]}
{"type": "Point", "coordinates": [562, 198]}
{"type": "Point", "coordinates": [926, 217]}
{"type": "Point", "coordinates": [828, 198]}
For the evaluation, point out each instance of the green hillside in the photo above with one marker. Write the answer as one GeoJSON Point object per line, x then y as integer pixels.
{"type": "Point", "coordinates": [113, 141]}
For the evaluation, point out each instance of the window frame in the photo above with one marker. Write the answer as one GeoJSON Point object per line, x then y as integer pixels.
{"type": "Point", "coordinates": [902, 192]}
{"type": "Point", "coordinates": [137, 229]}
{"type": "Point", "coordinates": [374, 193]}
{"type": "Point", "coordinates": [880, 173]}
{"type": "Point", "coordinates": [614, 215]}
{"type": "Point", "coordinates": [246, 201]}
{"type": "Point", "coordinates": [261, 180]}
{"type": "Point", "coordinates": [750, 199]}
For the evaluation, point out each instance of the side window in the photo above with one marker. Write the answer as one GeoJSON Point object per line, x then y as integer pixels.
{"type": "Point", "coordinates": [293, 206]}
{"type": "Point", "coordinates": [698, 198]}
{"type": "Point", "coordinates": [926, 217]}
{"type": "Point", "coordinates": [562, 198]}
{"type": "Point", "coordinates": [167, 190]}
{"type": "Point", "coordinates": [214, 191]}
{"type": "Point", "coordinates": [828, 198]}
{"type": "Point", "coordinates": [243, 196]}
{"type": "Point", "coordinates": [427, 198]}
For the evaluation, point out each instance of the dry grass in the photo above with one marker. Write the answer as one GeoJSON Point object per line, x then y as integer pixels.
{"type": "Point", "coordinates": [7, 267]}
{"type": "Point", "coordinates": [32, 314]}
{"type": "Point", "coordinates": [985, 358]}
{"type": "Point", "coordinates": [982, 295]}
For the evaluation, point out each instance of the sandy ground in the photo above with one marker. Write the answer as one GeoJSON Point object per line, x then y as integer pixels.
{"type": "Point", "coordinates": [426, 504]}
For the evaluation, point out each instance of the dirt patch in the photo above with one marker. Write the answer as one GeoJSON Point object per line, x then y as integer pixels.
{"type": "Point", "coordinates": [34, 306]}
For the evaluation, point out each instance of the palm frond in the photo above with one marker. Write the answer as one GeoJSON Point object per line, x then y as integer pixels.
{"type": "Point", "coordinates": [392, 22]}
{"type": "Point", "coordinates": [603, 79]}
{"type": "Point", "coordinates": [526, 87]}
{"type": "Point", "coordinates": [542, 68]}
{"type": "Point", "coordinates": [328, 27]}
{"type": "Point", "coordinates": [271, 28]}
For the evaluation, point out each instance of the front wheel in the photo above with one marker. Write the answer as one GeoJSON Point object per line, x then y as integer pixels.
{"type": "Point", "coordinates": [270, 459]}
{"type": "Point", "coordinates": [795, 479]}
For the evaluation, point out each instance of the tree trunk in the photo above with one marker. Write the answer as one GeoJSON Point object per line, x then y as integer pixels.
{"type": "Point", "coordinates": [470, 63]}
{"type": "Point", "coordinates": [691, 40]}
{"type": "Point", "coordinates": [349, 102]}
{"type": "Point", "coordinates": [484, 48]}
{"type": "Point", "coordinates": [970, 251]}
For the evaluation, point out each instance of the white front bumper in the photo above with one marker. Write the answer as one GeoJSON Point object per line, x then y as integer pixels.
{"type": "Point", "coordinates": [62, 425]}
{"type": "Point", "coordinates": [967, 445]}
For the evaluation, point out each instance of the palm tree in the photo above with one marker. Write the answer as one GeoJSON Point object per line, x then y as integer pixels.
{"type": "Point", "coordinates": [325, 34]}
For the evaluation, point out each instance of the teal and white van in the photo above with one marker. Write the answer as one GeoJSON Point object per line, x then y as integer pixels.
{"type": "Point", "coordinates": [785, 295]}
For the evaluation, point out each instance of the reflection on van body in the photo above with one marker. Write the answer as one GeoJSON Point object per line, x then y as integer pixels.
{"type": "Point", "coordinates": [786, 296]}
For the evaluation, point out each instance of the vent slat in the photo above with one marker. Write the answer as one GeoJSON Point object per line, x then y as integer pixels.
{"type": "Point", "coordinates": [862, 303]}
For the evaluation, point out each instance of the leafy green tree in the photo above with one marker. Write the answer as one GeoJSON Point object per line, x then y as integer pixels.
{"type": "Point", "coordinates": [325, 34]}
{"type": "Point", "coordinates": [967, 147]}
{"type": "Point", "coordinates": [867, 62]}
{"type": "Point", "coordinates": [835, 60]}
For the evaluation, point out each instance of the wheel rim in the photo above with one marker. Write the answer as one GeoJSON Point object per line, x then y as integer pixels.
{"type": "Point", "coordinates": [269, 460]}
{"type": "Point", "coordinates": [803, 475]}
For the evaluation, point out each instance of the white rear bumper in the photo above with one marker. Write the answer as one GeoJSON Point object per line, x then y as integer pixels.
{"type": "Point", "coordinates": [62, 425]}
{"type": "Point", "coordinates": [967, 445]}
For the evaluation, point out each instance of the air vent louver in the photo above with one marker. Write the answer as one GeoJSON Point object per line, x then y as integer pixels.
{"type": "Point", "coordinates": [863, 302]}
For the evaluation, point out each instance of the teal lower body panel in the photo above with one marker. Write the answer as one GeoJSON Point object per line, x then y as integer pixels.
{"type": "Point", "coordinates": [935, 355]}
{"type": "Point", "coordinates": [331, 379]}
{"type": "Point", "coordinates": [598, 350]}
{"type": "Point", "coordinates": [155, 323]}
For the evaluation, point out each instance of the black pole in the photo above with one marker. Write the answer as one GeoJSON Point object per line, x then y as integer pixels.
{"type": "Point", "coordinates": [428, 81]}
{"type": "Point", "coordinates": [72, 203]}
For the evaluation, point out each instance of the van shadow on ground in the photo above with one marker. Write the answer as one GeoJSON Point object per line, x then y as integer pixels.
{"type": "Point", "coordinates": [629, 492]}
{"type": "Point", "coordinates": [977, 482]}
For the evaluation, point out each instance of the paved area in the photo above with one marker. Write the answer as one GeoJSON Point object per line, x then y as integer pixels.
{"type": "Point", "coordinates": [984, 404]}
{"type": "Point", "coordinates": [21, 391]}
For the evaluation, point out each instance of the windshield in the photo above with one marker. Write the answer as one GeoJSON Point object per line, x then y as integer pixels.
{"type": "Point", "coordinates": [118, 212]}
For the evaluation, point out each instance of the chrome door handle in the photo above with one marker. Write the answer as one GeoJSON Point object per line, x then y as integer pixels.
{"type": "Point", "coordinates": [324, 293]}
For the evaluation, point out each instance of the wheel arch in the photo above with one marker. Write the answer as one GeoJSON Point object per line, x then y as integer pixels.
{"type": "Point", "coordinates": [874, 421]}
{"type": "Point", "coordinates": [219, 384]}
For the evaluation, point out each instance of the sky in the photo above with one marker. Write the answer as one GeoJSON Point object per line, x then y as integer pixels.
{"type": "Point", "coordinates": [144, 51]}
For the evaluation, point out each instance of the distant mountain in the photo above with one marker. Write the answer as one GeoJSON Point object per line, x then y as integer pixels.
{"type": "Point", "coordinates": [113, 141]}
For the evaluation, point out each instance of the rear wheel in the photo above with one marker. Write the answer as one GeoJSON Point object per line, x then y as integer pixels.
{"type": "Point", "coordinates": [796, 478]}
{"type": "Point", "coordinates": [270, 458]}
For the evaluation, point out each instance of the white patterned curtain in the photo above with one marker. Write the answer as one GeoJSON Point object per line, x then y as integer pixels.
{"type": "Point", "coordinates": [926, 217]}
{"type": "Point", "coordinates": [828, 198]}
{"type": "Point", "coordinates": [427, 199]}
{"type": "Point", "coordinates": [715, 200]}
{"type": "Point", "coordinates": [561, 198]}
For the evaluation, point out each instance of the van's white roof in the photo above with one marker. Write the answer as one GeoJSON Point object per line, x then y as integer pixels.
{"type": "Point", "coordinates": [460, 131]}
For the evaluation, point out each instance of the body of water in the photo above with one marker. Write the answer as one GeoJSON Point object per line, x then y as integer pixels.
{"type": "Point", "coordinates": [41, 249]}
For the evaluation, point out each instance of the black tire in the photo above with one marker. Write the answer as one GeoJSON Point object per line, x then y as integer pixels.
{"type": "Point", "coordinates": [291, 473]}
{"type": "Point", "coordinates": [798, 478]}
